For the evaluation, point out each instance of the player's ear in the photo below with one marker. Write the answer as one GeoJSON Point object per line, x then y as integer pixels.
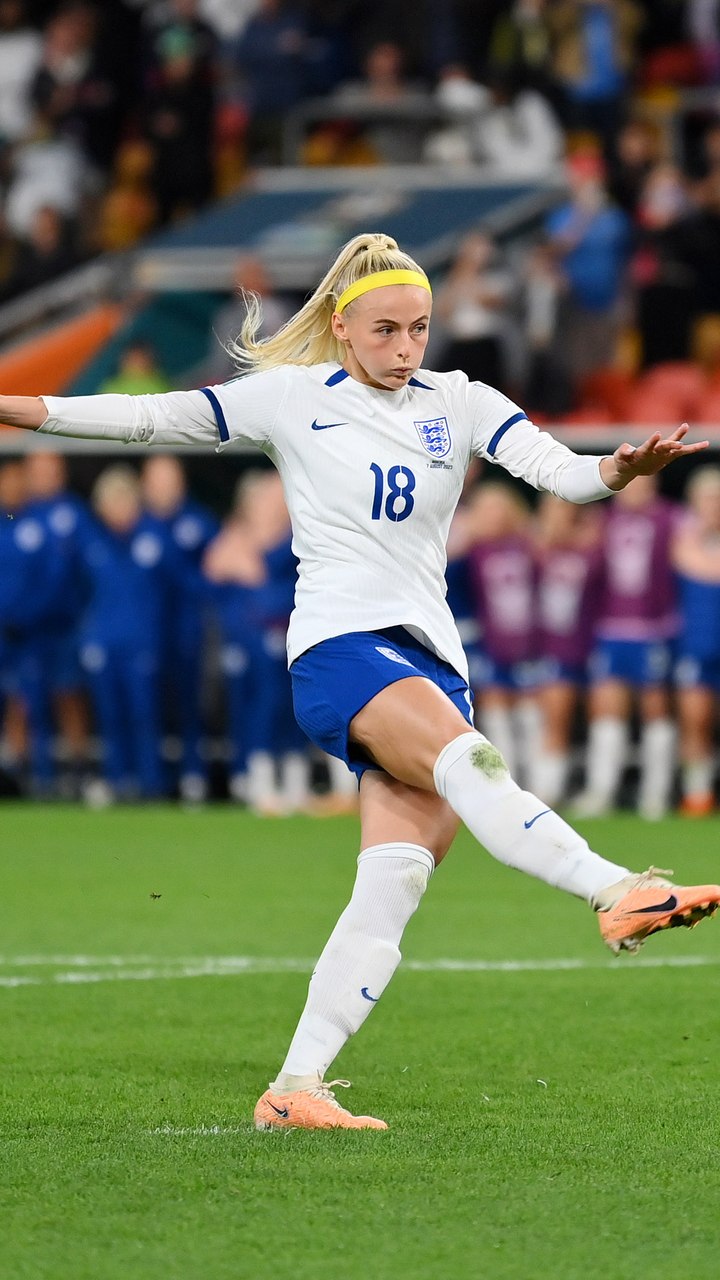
{"type": "Point", "coordinates": [339, 327]}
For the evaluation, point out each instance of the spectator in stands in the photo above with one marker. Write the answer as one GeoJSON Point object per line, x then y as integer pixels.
{"type": "Point", "coordinates": [45, 170]}
{"type": "Point", "coordinates": [139, 372]}
{"type": "Point", "coordinates": [253, 569]}
{"type": "Point", "coordinates": [590, 241]}
{"type": "Point", "coordinates": [502, 574]}
{"type": "Point", "coordinates": [697, 243]}
{"type": "Point", "coordinates": [520, 46]}
{"type": "Point", "coordinates": [696, 559]}
{"type": "Point", "coordinates": [637, 624]}
{"type": "Point", "coordinates": [664, 285]}
{"type": "Point", "coordinates": [76, 86]}
{"type": "Point", "coordinates": [129, 209]}
{"type": "Point", "coordinates": [189, 528]}
{"type": "Point", "coordinates": [20, 52]}
{"type": "Point", "coordinates": [472, 303]}
{"type": "Point", "coordinates": [250, 277]}
{"type": "Point", "coordinates": [270, 57]}
{"type": "Point", "coordinates": [128, 569]}
{"type": "Point", "coordinates": [703, 24]}
{"type": "Point", "coordinates": [548, 387]}
{"type": "Point", "coordinates": [398, 106]}
{"type": "Point", "coordinates": [461, 102]}
{"type": "Point", "coordinates": [569, 562]}
{"type": "Point", "coordinates": [635, 153]}
{"type": "Point", "coordinates": [518, 133]}
{"type": "Point", "coordinates": [178, 116]}
{"type": "Point", "coordinates": [594, 43]}
{"type": "Point", "coordinates": [47, 252]}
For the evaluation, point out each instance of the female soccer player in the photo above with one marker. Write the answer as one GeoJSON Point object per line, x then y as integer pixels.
{"type": "Point", "coordinates": [372, 454]}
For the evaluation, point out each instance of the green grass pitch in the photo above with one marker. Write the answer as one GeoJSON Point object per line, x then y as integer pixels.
{"type": "Point", "coordinates": [548, 1121]}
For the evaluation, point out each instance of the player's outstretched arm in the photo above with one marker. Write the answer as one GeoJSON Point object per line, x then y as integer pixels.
{"type": "Point", "coordinates": [648, 458]}
{"type": "Point", "coordinates": [23, 411]}
{"type": "Point", "coordinates": [168, 418]}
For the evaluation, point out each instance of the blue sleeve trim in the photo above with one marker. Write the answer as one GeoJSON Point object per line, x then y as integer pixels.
{"type": "Point", "coordinates": [517, 417]}
{"type": "Point", "coordinates": [339, 376]}
{"type": "Point", "coordinates": [415, 382]}
{"type": "Point", "coordinates": [222, 425]}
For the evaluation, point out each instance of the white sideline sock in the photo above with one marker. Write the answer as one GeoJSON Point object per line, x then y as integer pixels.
{"type": "Point", "coordinates": [657, 767]}
{"type": "Point", "coordinates": [607, 747]}
{"type": "Point", "coordinates": [261, 784]}
{"type": "Point", "coordinates": [497, 723]}
{"type": "Point", "coordinates": [513, 825]}
{"type": "Point", "coordinates": [359, 959]}
{"type": "Point", "coordinates": [549, 776]}
{"type": "Point", "coordinates": [295, 780]}
{"type": "Point", "coordinates": [527, 721]}
{"type": "Point", "coordinates": [342, 781]}
{"type": "Point", "coordinates": [698, 776]}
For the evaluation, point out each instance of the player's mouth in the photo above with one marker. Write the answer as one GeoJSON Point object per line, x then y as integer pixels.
{"type": "Point", "coordinates": [404, 372]}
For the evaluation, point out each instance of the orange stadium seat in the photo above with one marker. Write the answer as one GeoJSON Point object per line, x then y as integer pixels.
{"type": "Point", "coordinates": [668, 393]}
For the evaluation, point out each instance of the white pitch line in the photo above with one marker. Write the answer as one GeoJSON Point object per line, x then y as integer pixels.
{"type": "Point", "coordinates": [84, 970]}
{"type": "Point", "coordinates": [199, 1131]}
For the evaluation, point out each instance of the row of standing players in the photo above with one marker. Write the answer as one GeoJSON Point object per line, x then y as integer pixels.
{"type": "Point", "coordinates": [131, 601]}
{"type": "Point", "coordinates": [615, 612]}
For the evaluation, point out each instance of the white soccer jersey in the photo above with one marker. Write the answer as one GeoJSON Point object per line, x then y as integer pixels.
{"type": "Point", "coordinates": [371, 478]}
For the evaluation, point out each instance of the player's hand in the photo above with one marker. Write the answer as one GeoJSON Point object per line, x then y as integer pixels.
{"type": "Point", "coordinates": [648, 458]}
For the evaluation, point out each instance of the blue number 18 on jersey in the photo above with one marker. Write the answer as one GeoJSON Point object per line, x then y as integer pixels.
{"type": "Point", "coordinates": [399, 501]}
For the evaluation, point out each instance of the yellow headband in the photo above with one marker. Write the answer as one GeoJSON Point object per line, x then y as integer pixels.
{"type": "Point", "coordinates": [378, 280]}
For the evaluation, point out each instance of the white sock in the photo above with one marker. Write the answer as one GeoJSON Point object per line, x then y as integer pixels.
{"type": "Point", "coordinates": [698, 777]}
{"type": "Point", "coordinates": [497, 723]}
{"type": "Point", "coordinates": [342, 781]}
{"type": "Point", "coordinates": [261, 788]}
{"type": "Point", "coordinates": [359, 959]}
{"type": "Point", "coordinates": [657, 766]}
{"type": "Point", "coordinates": [528, 737]}
{"type": "Point", "coordinates": [606, 755]}
{"type": "Point", "coordinates": [513, 825]}
{"type": "Point", "coordinates": [549, 776]}
{"type": "Point", "coordinates": [295, 784]}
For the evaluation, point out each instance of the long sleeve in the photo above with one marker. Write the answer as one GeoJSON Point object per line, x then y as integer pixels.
{"type": "Point", "coordinates": [174, 417]}
{"type": "Point", "coordinates": [535, 456]}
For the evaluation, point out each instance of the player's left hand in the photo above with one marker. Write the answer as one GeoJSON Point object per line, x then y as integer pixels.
{"type": "Point", "coordinates": [654, 454]}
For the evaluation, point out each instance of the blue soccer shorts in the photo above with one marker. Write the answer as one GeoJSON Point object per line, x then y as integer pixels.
{"type": "Point", "coordinates": [338, 677]}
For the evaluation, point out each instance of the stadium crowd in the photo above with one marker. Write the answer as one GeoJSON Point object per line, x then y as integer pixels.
{"type": "Point", "coordinates": [116, 118]}
{"type": "Point", "coordinates": [142, 641]}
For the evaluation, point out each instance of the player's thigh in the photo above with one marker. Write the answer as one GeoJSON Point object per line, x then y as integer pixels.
{"type": "Point", "coordinates": [393, 812]}
{"type": "Point", "coordinates": [405, 727]}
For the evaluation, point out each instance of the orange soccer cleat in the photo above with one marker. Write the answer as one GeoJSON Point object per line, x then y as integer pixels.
{"type": "Point", "coordinates": [314, 1107]}
{"type": "Point", "coordinates": [628, 912]}
{"type": "Point", "coordinates": [697, 804]}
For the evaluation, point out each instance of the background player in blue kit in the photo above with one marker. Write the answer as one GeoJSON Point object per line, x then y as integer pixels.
{"type": "Point", "coordinates": [253, 571]}
{"type": "Point", "coordinates": [696, 560]}
{"type": "Point", "coordinates": [128, 569]}
{"type": "Point", "coordinates": [373, 451]}
{"type": "Point", "coordinates": [50, 675]}
{"type": "Point", "coordinates": [189, 528]}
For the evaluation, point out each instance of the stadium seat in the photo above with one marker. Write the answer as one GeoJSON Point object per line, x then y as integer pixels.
{"type": "Point", "coordinates": [667, 393]}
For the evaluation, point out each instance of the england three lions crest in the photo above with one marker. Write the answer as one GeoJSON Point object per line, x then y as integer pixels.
{"type": "Point", "coordinates": [435, 437]}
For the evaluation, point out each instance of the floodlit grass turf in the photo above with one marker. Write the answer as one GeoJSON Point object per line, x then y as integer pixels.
{"type": "Point", "coordinates": [545, 1125]}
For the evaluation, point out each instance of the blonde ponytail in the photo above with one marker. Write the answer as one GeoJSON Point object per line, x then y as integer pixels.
{"type": "Point", "coordinates": [307, 337]}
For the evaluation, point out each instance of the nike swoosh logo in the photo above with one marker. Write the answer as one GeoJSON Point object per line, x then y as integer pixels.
{"type": "Point", "coordinates": [282, 1112]}
{"type": "Point", "coordinates": [364, 992]}
{"type": "Point", "coordinates": [669, 905]}
{"type": "Point", "coordinates": [325, 426]}
{"type": "Point", "coordinates": [527, 825]}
